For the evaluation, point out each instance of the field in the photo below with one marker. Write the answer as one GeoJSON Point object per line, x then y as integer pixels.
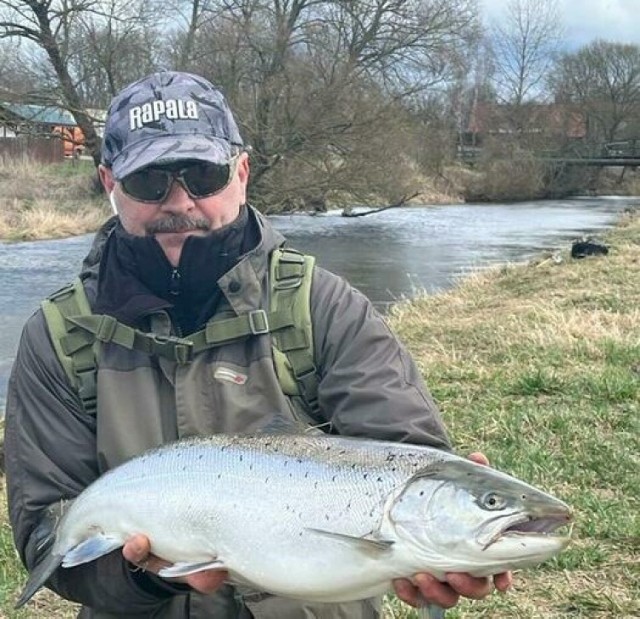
{"type": "Point", "coordinates": [538, 366]}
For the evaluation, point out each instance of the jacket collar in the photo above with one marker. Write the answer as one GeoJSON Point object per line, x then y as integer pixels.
{"type": "Point", "coordinates": [241, 285]}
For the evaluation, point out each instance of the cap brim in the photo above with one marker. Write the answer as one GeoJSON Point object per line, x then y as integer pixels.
{"type": "Point", "coordinates": [166, 149]}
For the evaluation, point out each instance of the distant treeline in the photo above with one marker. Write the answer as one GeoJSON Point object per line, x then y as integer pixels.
{"type": "Point", "coordinates": [364, 101]}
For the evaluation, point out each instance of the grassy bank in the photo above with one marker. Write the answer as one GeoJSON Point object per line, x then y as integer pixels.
{"type": "Point", "coordinates": [48, 201]}
{"type": "Point", "coordinates": [539, 367]}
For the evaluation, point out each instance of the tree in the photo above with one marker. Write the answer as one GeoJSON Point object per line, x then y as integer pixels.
{"type": "Point", "coordinates": [524, 46]}
{"type": "Point", "coordinates": [46, 24]}
{"type": "Point", "coordinates": [603, 80]}
{"type": "Point", "coordinates": [87, 44]}
{"type": "Point", "coordinates": [112, 48]}
{"type": "Point", "coordinates": [322, 87]}
{"type": "Point", "coordinates": [326, 91]}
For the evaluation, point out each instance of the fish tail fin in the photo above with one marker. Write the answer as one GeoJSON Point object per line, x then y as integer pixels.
{"type": "Point", "coordinates": [39, 576]}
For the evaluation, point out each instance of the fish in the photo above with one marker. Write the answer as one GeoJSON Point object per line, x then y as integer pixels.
{"type": "Point", "coordinates": [311, 517]}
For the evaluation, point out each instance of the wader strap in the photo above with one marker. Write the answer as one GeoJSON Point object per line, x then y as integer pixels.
{"type": "Point", "coordinates": [73, 346]}
{"type": "Point", "coordinates": [291, 277]}
{"type": "Point", "coordinates": [76, 332]}
{"type": "Point", "coordinates": [181, 350]}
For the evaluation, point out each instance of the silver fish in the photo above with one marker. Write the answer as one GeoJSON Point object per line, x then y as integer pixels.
{"type": "Point", "coordinates": [317, 518]}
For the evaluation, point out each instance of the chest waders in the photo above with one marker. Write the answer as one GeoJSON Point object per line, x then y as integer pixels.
{"type": "Point", "coordinates": [77, 333]}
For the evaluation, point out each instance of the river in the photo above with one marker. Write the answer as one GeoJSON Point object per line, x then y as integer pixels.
{"type": "Point", "coordinates": [388, 256]}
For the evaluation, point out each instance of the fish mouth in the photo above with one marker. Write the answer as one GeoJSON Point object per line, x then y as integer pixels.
{"type": "Point", "coordinates": [553, 526]}
{"type": "Point", "coordinates": [543, 525]}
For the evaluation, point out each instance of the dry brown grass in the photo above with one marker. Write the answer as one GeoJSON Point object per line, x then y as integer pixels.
{"type": "Point", "coordinates": [48, 201]}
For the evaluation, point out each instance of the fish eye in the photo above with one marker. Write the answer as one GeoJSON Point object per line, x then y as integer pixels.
{"type": "Point", "coordinates": [492, 501]}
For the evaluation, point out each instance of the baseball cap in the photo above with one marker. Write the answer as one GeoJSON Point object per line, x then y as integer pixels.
{"type": "Point", "coordinates": [165, 117]}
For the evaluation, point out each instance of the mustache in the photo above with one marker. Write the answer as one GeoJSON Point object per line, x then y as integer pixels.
{"type": "Point", "coordinates": [177, 223]}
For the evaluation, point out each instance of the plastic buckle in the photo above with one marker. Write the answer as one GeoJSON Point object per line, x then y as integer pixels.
{"type": "Point", "coordinates": [106, 328]}
{"type": "Point", "coordinates": [258, 322]}
{"type": "Point", "coordinates": [172, 347]}
{"type": "Point", "coordinates": [288, 283]}
{"type": "Point", "coordinates": [63, 292]}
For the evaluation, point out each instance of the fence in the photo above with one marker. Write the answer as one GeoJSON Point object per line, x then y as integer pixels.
{"type": "Point", "coordinates": [41, 149]}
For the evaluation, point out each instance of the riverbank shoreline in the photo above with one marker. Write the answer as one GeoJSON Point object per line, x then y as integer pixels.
{"type": "Point", "coordinates": [60, 200]}
{"type": "Point", "coordinates": [537, 365]}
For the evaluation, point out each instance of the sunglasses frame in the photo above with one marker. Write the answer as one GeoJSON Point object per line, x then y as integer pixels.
{"type": "Point", "coordinates": [178, 175]}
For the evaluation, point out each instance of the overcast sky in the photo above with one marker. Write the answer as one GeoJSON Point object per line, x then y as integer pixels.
{"type": "Point", "coordinates": [586, 20]}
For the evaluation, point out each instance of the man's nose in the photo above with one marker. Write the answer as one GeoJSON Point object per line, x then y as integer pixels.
{"type": "Point", "coordinates": [178, 200]}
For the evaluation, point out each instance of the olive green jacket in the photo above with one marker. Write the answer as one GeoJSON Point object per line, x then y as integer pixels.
{"type": "Point", "coordinates": [368, 386]}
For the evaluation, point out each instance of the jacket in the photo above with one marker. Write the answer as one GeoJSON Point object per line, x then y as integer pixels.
{"type": "Point", "coordinates": [368, 386]}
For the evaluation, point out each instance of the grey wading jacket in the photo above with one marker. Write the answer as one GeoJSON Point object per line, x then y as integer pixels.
{"type": "Point", "coordinates": [368, 386]}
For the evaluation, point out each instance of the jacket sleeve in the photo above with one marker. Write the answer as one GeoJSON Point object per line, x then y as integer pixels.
{"type": "Point", "coordinates": [50, 455]}
{"type": "Point", "coordinates": [369, 385]}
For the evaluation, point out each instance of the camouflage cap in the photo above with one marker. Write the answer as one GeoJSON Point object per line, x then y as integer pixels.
{"type": "Point", "coordinates": [166, 117]}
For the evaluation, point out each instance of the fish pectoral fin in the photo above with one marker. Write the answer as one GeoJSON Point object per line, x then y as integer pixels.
{"type": "Point", "coordinates": [91, 549]}
{"type": "Point", "coordinates": [184, 569]}
{"type": "Point", "coordinates": [365, 544]}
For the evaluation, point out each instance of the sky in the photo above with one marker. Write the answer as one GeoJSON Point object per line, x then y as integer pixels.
{"type": "Point", "coordinates": [585, 20]}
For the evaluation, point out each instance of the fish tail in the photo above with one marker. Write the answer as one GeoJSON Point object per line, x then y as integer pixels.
{"type": "Point", "coordinates": [38, 576]}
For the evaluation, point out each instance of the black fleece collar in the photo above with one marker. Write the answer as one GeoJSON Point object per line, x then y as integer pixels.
{"type": "Point", "coordinates": [136, 279]}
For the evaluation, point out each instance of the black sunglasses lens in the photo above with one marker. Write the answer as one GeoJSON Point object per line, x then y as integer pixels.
{"type": "Point", "coordinates": [200, 179]}
{"type": "Point", "coordinates": [148, 185]}
{"type": "Point", "coordinates": [205, 179]}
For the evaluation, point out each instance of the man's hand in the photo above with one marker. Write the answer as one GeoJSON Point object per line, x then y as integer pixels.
{"type": "Point", "coordinates": [137, 550]}
{"type": "Point", "coordinates": [424, 587]}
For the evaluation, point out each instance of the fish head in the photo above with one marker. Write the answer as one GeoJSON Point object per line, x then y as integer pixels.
{"type": "Point", "coordinates": [462, 516]}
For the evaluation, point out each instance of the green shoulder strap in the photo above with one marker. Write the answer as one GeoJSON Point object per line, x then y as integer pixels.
{"type": "Point", "coordinates": [74, 346]}
{"type": "Point", "coordinates": [75, 332]}
{"type": "Point", "coordinates": [291, 274]}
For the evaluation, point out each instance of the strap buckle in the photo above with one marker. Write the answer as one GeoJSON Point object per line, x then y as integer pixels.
{"type": "Point", "coordinates": [258, 322]}
{"type": "Point", "coordinates": [106, 328]}
{"type": "Point", "coordinates": [179, 349]}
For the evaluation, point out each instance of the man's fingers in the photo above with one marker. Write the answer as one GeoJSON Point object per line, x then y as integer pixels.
{"type": "Point", "coordinates": [470, 586]}
{"type": "Point", "coordinates": [503, 581]}
{"type": "Point", "coordinates": [478, 458]}
{"type": "Point", "coordinates": [207, 581]}
{"type": "Point", "coordinates": [426, 588]}
{"type": "Point", "coordinates": [136, 549]}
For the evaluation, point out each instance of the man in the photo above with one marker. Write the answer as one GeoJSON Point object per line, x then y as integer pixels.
{"type": "Point", "coordinates": [184, 249]}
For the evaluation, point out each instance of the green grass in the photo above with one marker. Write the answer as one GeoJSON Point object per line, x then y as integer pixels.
{"type": "Point", "coordinates": [73, 168]}
{"type": "Point", "coordinates": [538, 366]}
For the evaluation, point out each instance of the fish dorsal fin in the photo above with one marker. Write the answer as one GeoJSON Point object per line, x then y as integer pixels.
{"type": "Point", "coordinates": [367, 545]}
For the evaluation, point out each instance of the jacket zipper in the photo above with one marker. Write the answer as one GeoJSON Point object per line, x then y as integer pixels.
{"type": "Point", "coordinates": [175, 284]}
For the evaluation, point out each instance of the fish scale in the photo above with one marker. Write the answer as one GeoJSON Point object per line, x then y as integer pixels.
{"type": "Point", "coordinates": [305, 516]}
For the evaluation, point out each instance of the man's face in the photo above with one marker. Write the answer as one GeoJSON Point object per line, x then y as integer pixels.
{"type": "Point", "coordinates": [179, 215]}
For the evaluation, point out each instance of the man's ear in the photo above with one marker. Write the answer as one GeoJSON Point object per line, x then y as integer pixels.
{"type": "Point", "coordinates": [243, 176]}
{"type": "Point", "coordinates": [106, 177]}
{"type": "Point", "coordinates": [243, 167]}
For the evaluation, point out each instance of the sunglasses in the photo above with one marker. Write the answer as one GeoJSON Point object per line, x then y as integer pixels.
{"type": "Point", "coordinates": [200, 179]}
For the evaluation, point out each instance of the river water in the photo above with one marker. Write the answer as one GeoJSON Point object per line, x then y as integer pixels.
{"type": "Point", "coordinates": [388, 255]}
